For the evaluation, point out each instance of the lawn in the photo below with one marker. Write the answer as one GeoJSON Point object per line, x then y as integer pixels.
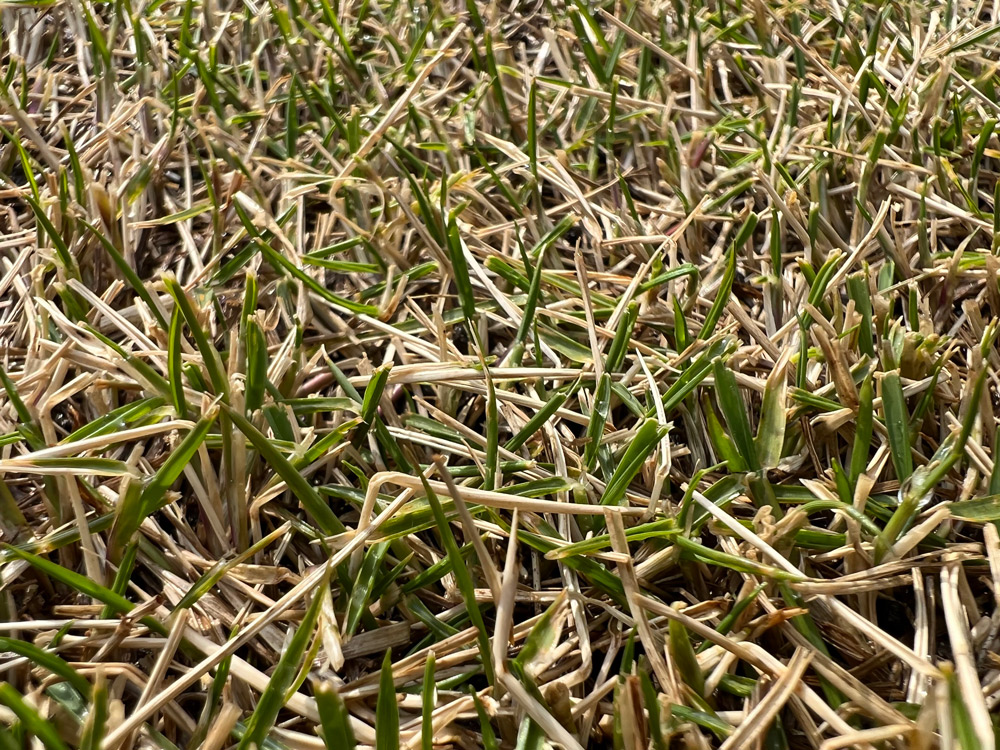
{"type": "Point", "coordinates": [470, 375]}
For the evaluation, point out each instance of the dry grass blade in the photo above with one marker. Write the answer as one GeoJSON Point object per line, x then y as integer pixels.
{"type": "Point", "coordinates": [759, 719]}
{"type": "Point", "coordinates": [639, 363]}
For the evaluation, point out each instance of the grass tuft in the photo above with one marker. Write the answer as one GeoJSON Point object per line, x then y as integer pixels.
{"type": "Point", "coordinates": [394, 375]}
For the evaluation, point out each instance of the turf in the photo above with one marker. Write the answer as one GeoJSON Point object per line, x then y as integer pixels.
{"type": "Point", "coordinates": [467, 375]}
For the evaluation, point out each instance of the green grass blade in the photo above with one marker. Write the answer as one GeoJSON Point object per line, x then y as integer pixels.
{"type": "Point", "coordinates": [27, 425]}
{"type": "Point", "coordinates": [534, 289]}
{"type": "Point", "coordinates": [644, 443]}
{"type": "Point", "coordinates": [95, 726]}
{"type": "Point", "coordinates": [299, 485]}
{"type": "Point", "coordinates": [994, 483]}
{"type": "Point", "coordinates": [372, 398]}
{"type": "Point", "coordinates": [542, 638]}
{"type": "Point", "coordinates": [977, 510]}
{"type": "Point", "coordinates": [66, 258]}
{"type": "Point", "coordinates": [428, 704]}
{"type": "Point", "coordinates": [619, 345]}
{"type": "Point", "coordinates": [145, 372]}
{"type": "Point", "coordinates": [107, 467]}
{"type": "Point", "coordinates": [173, 467]}
{"type": "Point", "coordinates": [280, 263]}
{"type": "Point", "coordinates": [691, 377]}
{"type": "Point", "coordinates": [598, 420]}
{"type": "Point", "coordinates": [129, 273]}
{"type": "Point", "coordinates": [897, 422]}
{"type": "Point", "coordinates": [463, 577]}
{"type": "Point", "coordinates": [724, 292]}
{"type": "Point", "coordinates": [652, 705]}
{"type": "Point", "coordinates": [726, 623]}
{"type": "Point", "coordinates": [175, 364]}
{"type": "Point", "coordinates": [209, 354]}
{"type": "Point", "coordinates": [49, 661]}
{"type": "Point", "coordinates": [460, 272]}
{"type": "Point", "coordinates": [129, 514]}
{"type": "Point", "coordinates": [664, 529]}
{"type": "Point", "coordinates": [214, 574]}
{"type": "Point", "coordinates": [275, 695]}
{"type": "Point", "coordinates": [335, 722]}
{"type": "Point", "coordinates": [721, 442]}
{"type": "Point", "coordinates": [256, 374]}
{"type": "Point", "coordinates": [977, 155]}
{"type": "Point", "coordinates": [33, 722]}
{"type": "Point", "coordinates": [685, 658]}
{"type": "Point", "coordinates": [488, 735]}
{"type": "Point", "coordinates": [386, 709]}
{"type": "Point", "coordinates": [491, 470]}
{"type": "Point", "coordinates": [542, 416]}
{"type": "Point", "coordinates": [771, 429]}
{"type": "Point", "coordinates": [363, 586]}
{"type": "Point", "coordinates": [862, 430]}
{"type": "Point", "coordinates": [735, 413]}
{"type": "Point", "coordinates": [733, 562]}
{"type": "Point", "coordinates": [79, 583]}
{"type": "Point", "coordinates": [964, 728]}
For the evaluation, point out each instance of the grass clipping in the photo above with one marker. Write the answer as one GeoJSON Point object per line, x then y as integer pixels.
{"type": "Point", "coordinates": [456, 375]}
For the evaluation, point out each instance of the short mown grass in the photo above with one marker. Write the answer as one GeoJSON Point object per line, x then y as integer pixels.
{"type": "Point", "coordinates": [472, 375]}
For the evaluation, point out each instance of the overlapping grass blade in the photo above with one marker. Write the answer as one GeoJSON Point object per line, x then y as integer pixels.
{"type": "Point", "coordinates": [275, 696]}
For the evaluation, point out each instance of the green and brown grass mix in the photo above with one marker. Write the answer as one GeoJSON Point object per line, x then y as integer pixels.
{"type": "Point", "coordinates": [472, 375]}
